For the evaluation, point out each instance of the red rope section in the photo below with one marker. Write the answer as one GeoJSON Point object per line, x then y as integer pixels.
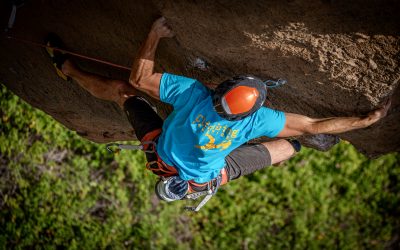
{"type": "Point", "coordinates": [70, 53]}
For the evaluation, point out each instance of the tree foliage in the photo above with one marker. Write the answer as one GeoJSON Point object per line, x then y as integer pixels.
{"type": "Point", "coordinates": [59, 190]}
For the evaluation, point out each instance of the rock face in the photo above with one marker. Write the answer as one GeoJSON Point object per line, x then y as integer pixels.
{"type": "Point", "coordinates": [341, 58]}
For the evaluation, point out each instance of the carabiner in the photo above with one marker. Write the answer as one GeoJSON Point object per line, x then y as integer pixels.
{"type": "Point", "coordinates": [274, 84]}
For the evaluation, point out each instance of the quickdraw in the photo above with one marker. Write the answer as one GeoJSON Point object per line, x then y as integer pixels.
{"type": "Point", "coordinates": [270, 84]}
{"type": "Point", "coordinates": [273, 84]}
{"type": "Point", "coordinates": [208, 195]}
{"type": "Point", "coordinates": [131, 147]}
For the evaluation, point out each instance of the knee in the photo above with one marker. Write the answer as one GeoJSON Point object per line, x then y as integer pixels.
{"type": "Point", "coordinates": [280, 150]}
{"type": "Point", "coordinates": [122, 91]}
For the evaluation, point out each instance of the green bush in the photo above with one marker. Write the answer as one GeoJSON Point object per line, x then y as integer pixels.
{"type": "Point", "coordinates": [61, 191]}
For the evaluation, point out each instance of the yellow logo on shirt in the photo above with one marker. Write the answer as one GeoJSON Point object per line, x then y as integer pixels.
{"type": "Point", "coordinates": [213, 132]}
{"type": "Point", "coordinates": [211, 144]}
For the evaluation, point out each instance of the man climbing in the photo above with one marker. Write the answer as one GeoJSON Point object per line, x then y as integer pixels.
{"type": "Point", "coordinates": [202, 143]}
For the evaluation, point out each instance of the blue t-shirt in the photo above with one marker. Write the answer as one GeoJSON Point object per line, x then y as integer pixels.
{"type": "Point", "coordinates": [195, 139]}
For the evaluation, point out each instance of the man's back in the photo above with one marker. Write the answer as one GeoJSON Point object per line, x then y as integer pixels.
{"type": "Point", "coordinates": [195, 138]}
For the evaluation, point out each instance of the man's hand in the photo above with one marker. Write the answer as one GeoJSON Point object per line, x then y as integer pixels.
{"type": "Point", "coordinates": [161, 29]}
{"type": "Point", "coordinates": [378, 114]}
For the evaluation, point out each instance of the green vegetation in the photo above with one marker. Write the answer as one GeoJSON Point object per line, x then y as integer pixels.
{"type": "Point", "coordinates": [58, 190]}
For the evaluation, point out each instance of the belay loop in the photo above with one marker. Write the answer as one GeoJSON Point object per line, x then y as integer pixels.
{"type": "Point", "coordinates": [131, 147]}
{"type": "Point", "coordinates": [273, 84]}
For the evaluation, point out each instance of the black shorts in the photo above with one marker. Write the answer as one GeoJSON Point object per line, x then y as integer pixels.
{"type": "Point", "coordinates": [244, 160]}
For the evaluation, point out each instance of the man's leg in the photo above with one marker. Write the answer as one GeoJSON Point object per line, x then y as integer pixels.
{"type": "Point", "coordinates": [279, 150]}
{"type": "Point", "coordinates": [247, 159]}
{"type": "Point", "coordinates": [100, 87]}
{"type": "Point", "coordinates": [144, 120]}
{"type": "Point", "coordinates": [140, 114]}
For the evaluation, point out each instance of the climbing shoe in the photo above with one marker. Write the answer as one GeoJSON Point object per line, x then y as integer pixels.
{"type": "Point", "coordinates": [58, 58]}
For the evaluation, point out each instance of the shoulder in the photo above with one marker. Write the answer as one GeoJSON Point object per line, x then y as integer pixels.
{"type": "Point", "coordinates": [176, 89]}
{"type": "Point", "coordinates": [178, 81]}
{"type": "Point", "coordinates": [265, 112]}
{"type": "Point", "coordinates": [168, 77]}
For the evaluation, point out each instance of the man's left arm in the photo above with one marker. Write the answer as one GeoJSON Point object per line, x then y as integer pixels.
{"type": "Point", "coordinates": [142, 75]}
{"type": "Point", "coordinates": [299, 125]}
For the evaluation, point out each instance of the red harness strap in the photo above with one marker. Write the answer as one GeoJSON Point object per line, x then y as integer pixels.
{"type": "Point", "coordinates": [197, 187]}
{"type": "Point", "coordinates": [158, 167]}
{"type": "Point", "coordinates": [151, 136]}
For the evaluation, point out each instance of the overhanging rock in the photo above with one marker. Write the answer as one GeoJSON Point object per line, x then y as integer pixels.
{"type": "Point", "coordinates": [340, 58]}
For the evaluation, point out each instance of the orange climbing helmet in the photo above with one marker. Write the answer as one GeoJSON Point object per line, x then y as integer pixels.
{"type": "Point", "coordinates": [239, 97]}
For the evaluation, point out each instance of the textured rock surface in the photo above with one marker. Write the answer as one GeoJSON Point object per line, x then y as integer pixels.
{"type": "Point", "coordinates": [339, 58]}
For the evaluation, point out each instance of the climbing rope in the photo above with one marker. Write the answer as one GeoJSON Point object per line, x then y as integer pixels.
{"type": "Point", "coordinates": [68, 52]}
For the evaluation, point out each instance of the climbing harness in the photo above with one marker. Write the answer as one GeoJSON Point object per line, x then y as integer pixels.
{"type": "Point", "coordinates": [170, 187]}
{"type": "Point", "coordinates": [181, 190]}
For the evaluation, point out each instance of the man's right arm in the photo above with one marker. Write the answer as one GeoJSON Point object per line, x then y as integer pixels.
{"type": "Point", "coordinates": [142, 75]}
{"type": "Point", "coordinates": [299, 125]}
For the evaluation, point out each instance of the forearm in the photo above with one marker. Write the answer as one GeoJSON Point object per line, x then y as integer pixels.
{"type": "Point", "coordinates": [338, 125]}
{"type": "Point", "coordinates": [143, 65]}
{"type": "Point", "coordinates": [297, 125]}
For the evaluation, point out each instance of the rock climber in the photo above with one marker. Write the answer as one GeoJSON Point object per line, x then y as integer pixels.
{"type": "Point", "coordinates": [202, 143]}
